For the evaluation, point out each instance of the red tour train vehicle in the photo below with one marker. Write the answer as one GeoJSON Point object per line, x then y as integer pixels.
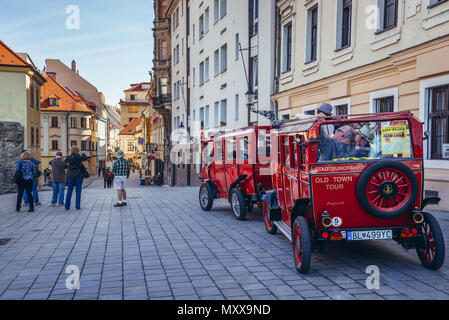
{"type": "Point", "coordinates": [237, 168]}
{"type": "Point", "coordinates": [357, 177]}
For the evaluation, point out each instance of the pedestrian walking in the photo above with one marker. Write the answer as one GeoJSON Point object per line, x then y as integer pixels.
{"type": "Point", "coordinates": [23, 176]}
{"type": "Point", "coordinates": [105, 177]}
{"type": "Point", "coordinates": [75, 175]}
{"type": "Point", "coordinates": [120, 170]}
{"type": "Point", "coordinates": [110, 178]}
{"type": "Point", "coordinates": [58, 167]}
{"type": "Point", "coordinates": [37, 174]}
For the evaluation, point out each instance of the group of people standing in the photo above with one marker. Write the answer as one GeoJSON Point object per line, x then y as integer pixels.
{"type": "Point", "coordinates": [70, 171]}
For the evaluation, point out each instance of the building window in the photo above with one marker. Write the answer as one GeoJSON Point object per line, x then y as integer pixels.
{"type": "Point", "coordinates": [162, 9]}
{"type": "Point", "coordinates": [38, 100]}
{"type": "Point", "coordinates": [237, 46]}
{"type": "Point", "coordinates": [341, 110]}
{"type": "Point", "coordinates": [194, 76]}
{"type": "Point", "coordinates": [206, 69]}
{"type": "Point", "coordinates": [439, 121]}
{"type": "Point", "coordinates": [83, 145]}
{"type": "Point", "coordinates": [222, 8]}
{"type": "Point", "coordinates": [206, 20]}
{"type": "Point", "coordinates": [38, 137]}
{"type": "Point", "coordinates": [206, 117]}
{"type": "Point", "coordinates": [388, 14]}
{"type": "Point", "coordinates": [53, 102]}
{"type": "Point", "coordinates": [216, 10]}
{"type": "Point", "coordinates": [163, 49]}
{"type": "Point", "coordinates": [201, 73]}
{"type": "Point", "coordinates": [216, 62]}
{"type": "Point", "coordinates": [72, 122]}
{"type": "Point", "coordinates": [312, 34]}
{"type": "Point", "coordinates": [434, 3]}
{"type": "Point", "coordinates": [73, 143]}
{"type": "Point", "coordinates": [54, 122]}
{"type": "Point", "coordinates": [216, 114]}
{"type": "Point", "coordinates": [202, 118]}
{"type": "Point", "coordinates": [288, 47]}
{"type": "Point", "coordinates": [344, 23]}
{"type": "Point", "coordinates": [255, 72]}
{"type": "Point", "coordinates": [201, 26]}
{"type": "Point", "coordinates": [32, 136]}
{"type": "Point", "coordinates": [223, 113]}
{"type": "Point", "coordinates": [132, 97]}
{"type": "Point", "coordinates": [164, 86]}
{"type": "Point", "coordinates": [385, 104]}
{"type": "Point", "coordinates": [255, 28]}
{"type": "Point", "coordinates": [54, 145]}
{"type": "Point", "coordinates": [83, 123]}
{"type": "Point", "coordinates": [32, 96]}
{"type": "Point", "coordinates": [224, 58]}
{"type": "Point", "coordinates": [236, 110]}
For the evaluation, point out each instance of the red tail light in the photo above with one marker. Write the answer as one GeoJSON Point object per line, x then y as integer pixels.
{"type": "Point", "coordinates": [325, 235]}
{"type": "Point", "coordinates": [336, 236]}
{"type": "Point", "coordinates": [408, 233]}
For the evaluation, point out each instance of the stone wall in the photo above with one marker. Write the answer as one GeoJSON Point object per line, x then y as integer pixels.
{"type": "Point", "coordinates": [11, 145]}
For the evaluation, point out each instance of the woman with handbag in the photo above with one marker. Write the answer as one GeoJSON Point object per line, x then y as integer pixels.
{"type": "Point", "coordinates": [76, 172]}
{"type": "Point", "coordinates": [23, 176]}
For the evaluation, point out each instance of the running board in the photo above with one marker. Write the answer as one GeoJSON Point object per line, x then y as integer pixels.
{"type": "Point", "coordinates": [284, 229]}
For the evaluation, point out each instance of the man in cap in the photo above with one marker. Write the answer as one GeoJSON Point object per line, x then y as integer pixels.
{"type": "Point", "coordinates": [325, 110]}
{"type": "Point", "coordinates": [363, 139]}
{"type": "Point", "coordinates": [120, 169]}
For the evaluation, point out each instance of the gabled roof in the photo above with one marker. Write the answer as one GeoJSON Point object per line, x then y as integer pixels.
{"type": "Point", "coordinates": [10, 58]}
{"type": "Point", "coordinates": [138, 86]}
{"type": "Point", "coordinates": [67, 102]}
{"type": "Point", "coordinates": [130, 129]}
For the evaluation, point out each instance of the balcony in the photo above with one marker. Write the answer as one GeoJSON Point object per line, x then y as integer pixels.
{"type": "Point", "coordinates": [162, 101]}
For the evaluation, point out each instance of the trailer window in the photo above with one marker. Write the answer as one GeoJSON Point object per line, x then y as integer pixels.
{"type": "Point", "coordinates": [219, 149]}
{"type": "Point", "coordinates": [263, 143]}
{"type": "Point", "coordinates": [351, 141]}
{"type": "Point", "coordinates": [294, 152]}
{"type": "Point", "coordinates": [243, 149]}
{"type": "Point", "coordinates": [286, 151]}
{"type": "Point", "coordinates": [231, 153]}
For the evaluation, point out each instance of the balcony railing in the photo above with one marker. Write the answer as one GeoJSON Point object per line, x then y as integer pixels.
{"type": "Point", "coordinates": [162, 100]}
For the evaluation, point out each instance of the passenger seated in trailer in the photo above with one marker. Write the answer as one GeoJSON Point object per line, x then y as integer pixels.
{"type": "Point", "coordinates": [325, 110]}
{"type": "Point", "coordinates": [341, 145]}
{"type": "Point", "coordinates": [363, 139]}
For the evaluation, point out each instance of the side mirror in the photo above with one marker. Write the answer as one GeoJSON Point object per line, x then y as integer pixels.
{"type": "Point", "coordinates": [426, 135]}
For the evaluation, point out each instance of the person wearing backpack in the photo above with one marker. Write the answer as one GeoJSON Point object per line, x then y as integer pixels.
{"type": "Point", "coordinates": [37, 174]}
{"type": "Point", "coordinates": [23, 176]}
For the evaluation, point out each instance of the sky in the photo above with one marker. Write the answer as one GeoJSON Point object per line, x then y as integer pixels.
{"type": "Point", "coordinates": [112, 44]}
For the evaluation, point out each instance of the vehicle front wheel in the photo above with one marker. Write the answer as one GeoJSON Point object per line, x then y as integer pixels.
{"type": "Point", "coordinates": [269, 225]}
{"type": "Point", "coordinates": [432, 255]}
{"type": "Point", "coordinates": [302, 245]}
{"type": "Point", "coordinates": [238, 204]}
{"type": "Point", "coordinates": [206, 198]}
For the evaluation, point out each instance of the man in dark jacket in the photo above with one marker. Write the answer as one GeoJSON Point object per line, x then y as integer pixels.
{"type": "Point", "coordinates": [58, 167]}
{"type": "Point", "coordinates": [75, 176]}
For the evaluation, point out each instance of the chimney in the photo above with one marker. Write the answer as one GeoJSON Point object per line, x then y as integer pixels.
{"type": "Point", "coordinates": [73, 66]}
{"type": "Point", "coordinates": [52, 75]}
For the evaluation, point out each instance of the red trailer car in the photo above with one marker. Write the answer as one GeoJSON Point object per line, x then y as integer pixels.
{"type": "Point", "coordinates": [237, 168]}
{"type": "Point", "coordinates": [360, 177]}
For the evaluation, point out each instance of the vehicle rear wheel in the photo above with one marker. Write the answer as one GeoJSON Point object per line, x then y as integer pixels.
{"type": "Point", "coordinates": [269, 225]}
{"type": "Point", "coordinates": [238, 204]}
{"type": "Point", "coordinates": [206, 199]}
{"type": "Point", "coordinates": [387, 189]}
{"type": "Point", "coordinates": [432, 256]}
{"type": "Point", "coordinates": [302, 245]}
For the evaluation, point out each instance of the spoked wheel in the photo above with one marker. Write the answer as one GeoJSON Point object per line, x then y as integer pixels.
{"type": "Point", "coordinates": [206, 199]}
{"type": "Point", "coordinates": [302, 246]}
{"type": "Point", "coordinates": [432, 256]}
{"type": "Point", "coordinates": [269, 225]}
{"type": "Point", "coordinates": [387, 189]}
{"type": "Point", "coordinates": [238, 204]}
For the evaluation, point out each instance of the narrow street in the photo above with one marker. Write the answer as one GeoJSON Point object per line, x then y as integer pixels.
{"type": "Point", "coordinates": [163, 246]}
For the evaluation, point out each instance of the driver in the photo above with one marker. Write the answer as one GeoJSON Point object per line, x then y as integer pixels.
{"type": "Point", "coordinates": [341, 145]}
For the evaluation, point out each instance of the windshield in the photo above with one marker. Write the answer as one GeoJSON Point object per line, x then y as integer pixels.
{"type": "Point", "coordinates": [349, 141]}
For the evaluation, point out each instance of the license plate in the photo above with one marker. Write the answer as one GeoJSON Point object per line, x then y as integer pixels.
{"type": "Point", "coordinates": [370, 235]}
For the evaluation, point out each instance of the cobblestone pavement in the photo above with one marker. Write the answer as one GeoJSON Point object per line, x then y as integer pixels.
{"type": "Point", "coordinates": [162, 246]}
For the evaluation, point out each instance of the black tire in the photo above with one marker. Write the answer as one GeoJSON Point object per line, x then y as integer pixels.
{"type": "Point", "coordinates": [368, 173]}
{"type": "Point", "coordinates": [302, 245]}
{"type": "Point", "coordinates": [432, 259]}
{"type": "Point", "coordinates": [205, 197]}
{"type": "Point", "coordinates": [269, 225]}
{"type": "Point", "coordinates": [238, 204]}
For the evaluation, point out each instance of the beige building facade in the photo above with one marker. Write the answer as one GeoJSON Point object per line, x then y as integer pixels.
{"type": "Point", "coordinates": [367, 57]}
